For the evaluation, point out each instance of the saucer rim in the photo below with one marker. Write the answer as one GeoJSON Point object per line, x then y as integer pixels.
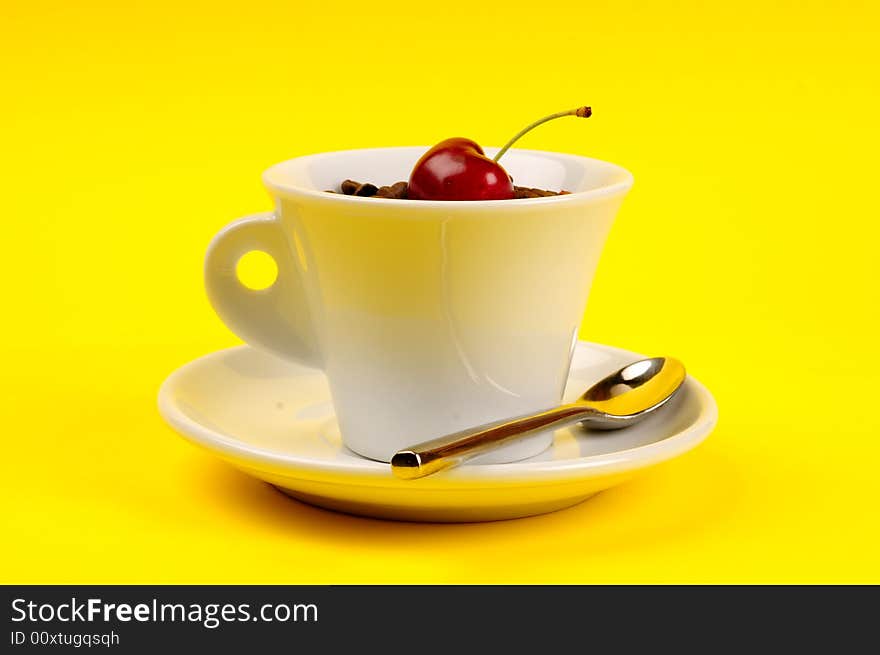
{"type": "Point", "coordinates": [616, 462]}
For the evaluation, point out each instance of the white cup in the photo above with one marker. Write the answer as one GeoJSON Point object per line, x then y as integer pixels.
{"type": "Point", "coordinates": [427, 317]}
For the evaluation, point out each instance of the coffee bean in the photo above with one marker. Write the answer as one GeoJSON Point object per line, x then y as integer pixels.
{"type": "Point", "coordinates": [396, 190]}
{"type": "Point", "coordinates": [366, 190]}
{"type": "Point", "coordinates": [348, 187]}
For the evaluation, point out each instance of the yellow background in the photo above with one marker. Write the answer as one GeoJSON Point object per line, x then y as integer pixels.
{"type": "Point", "coordinates": [132, 131]}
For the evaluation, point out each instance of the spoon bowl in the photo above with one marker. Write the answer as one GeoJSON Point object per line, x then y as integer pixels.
{"type": "Point", "coordinates": [632, 393]}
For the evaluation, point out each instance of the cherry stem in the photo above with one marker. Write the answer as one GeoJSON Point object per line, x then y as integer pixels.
{"type": "Point", "coordinates": [580, 112]}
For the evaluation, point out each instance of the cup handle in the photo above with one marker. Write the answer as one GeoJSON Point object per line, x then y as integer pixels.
{"type": "Point", "coordinates": [276, 318]}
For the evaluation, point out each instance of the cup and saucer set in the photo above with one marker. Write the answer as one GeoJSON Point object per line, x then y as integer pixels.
{"type": "Point", "coordinates": [392, 323]}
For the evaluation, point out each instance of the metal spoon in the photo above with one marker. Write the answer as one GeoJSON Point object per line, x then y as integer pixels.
{"type": "Point", "coordinates": [617, 401]}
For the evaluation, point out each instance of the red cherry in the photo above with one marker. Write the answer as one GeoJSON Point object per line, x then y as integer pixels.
{"type": "Point", "coordinates": [458, 169]}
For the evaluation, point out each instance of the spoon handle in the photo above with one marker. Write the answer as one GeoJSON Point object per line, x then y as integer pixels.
{"type": "Point", "coordinates": [454, 449]}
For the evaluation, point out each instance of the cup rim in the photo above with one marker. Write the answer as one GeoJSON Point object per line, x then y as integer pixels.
{"type": "Point", "coordinates": [271, 181]}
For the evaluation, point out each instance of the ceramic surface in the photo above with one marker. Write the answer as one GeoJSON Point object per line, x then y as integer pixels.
{"type": "Point", "coordinates": [274, 420]}
{"type": "Point", "coordinates": [496, 288]}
